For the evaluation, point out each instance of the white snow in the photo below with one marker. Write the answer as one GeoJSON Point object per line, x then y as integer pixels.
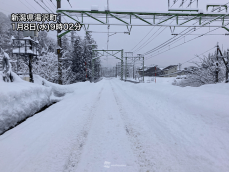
{"type": "Point", "coordinates": [22, 50]}
{"type": "Point", "coordinates": [129, 127]}
{"type": "Point", "coordinates": [94, 8]}
{"type": "Point", "coordinates": [20, 99]}
{"type": "Point", "coordinates": [6, 56]}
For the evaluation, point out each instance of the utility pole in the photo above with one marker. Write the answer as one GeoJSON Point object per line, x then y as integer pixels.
{"type": "Point", "coordinates": [126, 69]}
{"type": "Point", "coordinates": [116, 70]}
{"type": "Point", "coordinates": [122, 65]}
{"type": "Point", "coordinates": [133, 71]}
{"type": "Point", "coordinates": [225, 62]}
{"type": "Point", "coordinates": [143, 68]}
{"type": "Point", "coordinates": [217, 67]}
{"type": "Point", "coordinates": [59, 44]}
{"type": "Point", "coordinates": [155, 73]}
{"type": "Point", "coordinates": [227, 66]}
{"type": "Point", "coordinates": [72, 39]}
{"type": "Point", "coordinates": [143, 72]}
{"type": "Point", "coordinates": [30, 69]}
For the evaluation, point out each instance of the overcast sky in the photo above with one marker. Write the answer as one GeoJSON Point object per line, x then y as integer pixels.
{"type": "Point", "coordinates": [128, 42]}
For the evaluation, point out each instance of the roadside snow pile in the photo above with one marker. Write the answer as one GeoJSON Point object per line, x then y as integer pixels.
{"type": "Point", "coordinates": [19, 100]}
{"type": "Point", "coordinates": [58, 90]}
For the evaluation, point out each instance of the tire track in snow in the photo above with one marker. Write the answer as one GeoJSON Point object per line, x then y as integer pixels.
{"type": "Point", "coordinates": [75, 155]}
{"type": "Point", "coordinates": [145, 164]}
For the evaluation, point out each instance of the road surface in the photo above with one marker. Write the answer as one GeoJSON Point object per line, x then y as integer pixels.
{"type": "Point", "coordinates": [116, 126]}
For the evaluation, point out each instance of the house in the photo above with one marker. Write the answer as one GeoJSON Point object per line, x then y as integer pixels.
{"type": "Point", "coordinates": [151, 71]}
{"type": "Point", "coordinates": [170, 71]}
{"type": "Point", "coordinates": [190, 69]}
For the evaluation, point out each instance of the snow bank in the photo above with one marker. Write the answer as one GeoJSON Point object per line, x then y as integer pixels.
{"type": "Point", "coordinates": [57, 90]}
{"type": "Point", "coordinates": [19, 100]}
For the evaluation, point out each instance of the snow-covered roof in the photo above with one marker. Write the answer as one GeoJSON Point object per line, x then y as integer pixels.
{"type": "Point", "coordinates": [28, 38]}
{"type": "Point", "coordinates": [22, 50]}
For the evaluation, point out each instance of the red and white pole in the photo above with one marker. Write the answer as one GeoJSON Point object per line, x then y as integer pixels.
{"type": "Point", "coordinates": [155, 73]}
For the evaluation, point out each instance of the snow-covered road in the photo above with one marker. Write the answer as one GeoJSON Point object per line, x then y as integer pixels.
{"type": "Point", "coordinates": [118, 126]}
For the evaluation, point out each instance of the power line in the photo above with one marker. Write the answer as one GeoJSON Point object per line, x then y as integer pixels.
{"type": "Point", "coordinates": [69, 3]}
{"type": "Point", "coordinates": [190, 3]}
{"type": "Point", "coordinates": [145, 44]}
{"type": "Point", "coordinates": [53, 4]}
{"type": "Point", "coordinates": [41, 6]}
{"type": "Point", "coordinates": [176, 39]}
{"type": "Point", "coordinates": [30, 5]}
{"type": "Point", "coordinates": [46, 5]}
{"type": "Point", "coordinates": [180, 37]}
{"type": "Point", "coordinates": [48, 2]}
{"type": "Point", "coordinates": [184, 42]}
{"type": "Point", "coordinates": [5, 10]}
{"type": "Point", "coordinates": [144, 37]}
{"type": "Point", "coordinates": [165, 43]}
{"type": "Point", "coordinates": [199, 55]}
{"type": "Point", "coordinates": [147, 40]}
{"type": "Point", "coordinates": [26, 5]}
{"type": "Point", "coordinates": [181, 44]}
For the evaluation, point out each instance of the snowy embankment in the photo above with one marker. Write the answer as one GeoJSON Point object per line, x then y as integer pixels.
{"type": "Point", "coordinates": [58, 91]}
{"type": "Point", "coordinates": [21, 99]}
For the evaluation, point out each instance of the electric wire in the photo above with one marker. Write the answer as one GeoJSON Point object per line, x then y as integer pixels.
{"type": "Point", "coordinates": [174, 3]}
{"type": "Point", "coordinates": [180, 37]}
{"type": "Point", "coordinates": [165, 43]}
{"type": "Point", "coordinates": [180, 44]}
{"type": "Point", "coordinates": [219, 8]}
{"type": "Point", "coordinates": [53, 4]}
{"type": "Point", "coordinates": [182, 3]}
{"type": "Point", "coordinates": [144, 37]}
{"type": "Point", "coordinates": [48, 2]}
{"type": "Point", "coordinates": [5, 10]}
{"type": "Point", "coordinates": [26, 5]}
{"type": "Point", "coordinates": [188, 41]}
{"type": "Point", "coordinates": [69, 3]}
{"type": "Point", "coordinates": [158, 35]}
{"type": "Point", "coordinates": [190, 3]}
{"type": "Point", "coordinates": [147, 41]}
{"type": "Point", "coordinates": [46, 6]}
{"type": "Point", "coordinates": [198, 55]}
{"type": "Point", "coordinates": [41, 6]}
{"type": "Point", "coordinates": [30, 5]}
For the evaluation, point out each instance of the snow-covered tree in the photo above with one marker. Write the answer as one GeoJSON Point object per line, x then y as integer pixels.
{"type": "Point", "coordinates": [47, 67]}
{"type": "Point", "coordinates": [205, 72]}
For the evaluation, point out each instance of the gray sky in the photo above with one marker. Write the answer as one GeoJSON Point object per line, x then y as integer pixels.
{"type": "Point", "coordinates": [128, 42]}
